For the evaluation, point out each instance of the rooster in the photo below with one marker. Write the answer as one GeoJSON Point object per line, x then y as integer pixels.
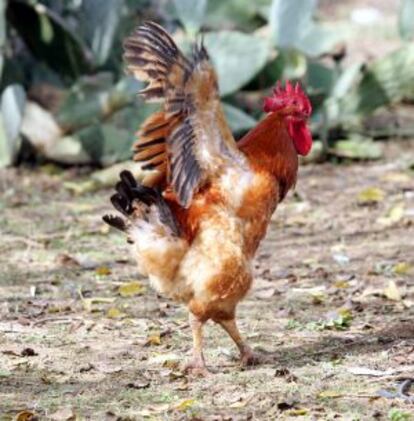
{"type": "Point", "coordinates": [198, 217]}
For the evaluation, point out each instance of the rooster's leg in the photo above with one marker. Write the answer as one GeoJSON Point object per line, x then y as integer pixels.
{"type": "Point", "coordinates": [247, 356]}
{"type": "Point", "coordinates": [197, 364]}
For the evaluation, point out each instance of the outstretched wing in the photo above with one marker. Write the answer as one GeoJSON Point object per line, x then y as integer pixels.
{"type": "Point", "coordinates": [188, 142]}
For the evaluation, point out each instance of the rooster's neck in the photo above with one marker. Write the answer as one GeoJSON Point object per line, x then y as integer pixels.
{"type": "Point", "coordinates": [270, 149]}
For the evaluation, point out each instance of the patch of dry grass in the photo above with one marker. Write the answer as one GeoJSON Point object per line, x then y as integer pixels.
{"type": "Point", "coordinates": [319, 309]}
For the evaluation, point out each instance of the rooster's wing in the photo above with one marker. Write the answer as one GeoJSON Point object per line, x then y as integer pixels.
{"type": "Point", "coordinates": [188, 142]}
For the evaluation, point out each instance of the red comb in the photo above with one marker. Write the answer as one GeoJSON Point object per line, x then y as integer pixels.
{"type": "Point", "coordinates": [288, 95]}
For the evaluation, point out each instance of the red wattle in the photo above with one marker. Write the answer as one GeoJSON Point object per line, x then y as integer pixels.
{"type": "Point", "coordinates": [301, 136]}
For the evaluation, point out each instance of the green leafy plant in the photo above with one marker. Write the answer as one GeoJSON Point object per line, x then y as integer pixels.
{"type": "Point", "coordinates": [399, 415]}
{"type": "Point", "coordinates": [66, 58]}
{"type": "Point", "coordinates": [406, 20]}
{"type": "Point", "coordinates": [293, 27]}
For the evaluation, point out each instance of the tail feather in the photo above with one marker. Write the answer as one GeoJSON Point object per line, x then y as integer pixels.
{"type": "Point", "coordinates": [116, 222]}
{"type": "Point", "coordinates": [128, 197]}
{"type": "Point", "coordinates": [124, 191]}
{"type": "Point", "coordinates": [128, 179]}
{"type": "Point", "coordinates": [153, 231]}
{"type": "Point", "coordinates": [121, 204]}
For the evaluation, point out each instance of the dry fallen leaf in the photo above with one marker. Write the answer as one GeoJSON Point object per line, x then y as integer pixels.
{"type": "Point", "coordinates": [394, 215]}
{"type": "Point", "coordinates": [171, 364]}
{"type": "Point", "coordinates": [80, 187]}
{"type": "Point", "coordinates": [403, 268]}
{"type": "Point", "coordinates": [397, 177]}
{"type": "Point", "coordinates": [318, 297]}
{"type": "Point", "coordinates": [185, 404]}
{"type": "Point", "coordinates": [64, 259]}
{"type": "Point", "coordinates": [175, 375]}
{"type": "Point", "coordinates": [26, 416]}
{"type": "Point", "coordinates": [329, 394]}
{"type": "Point", "coordinates": [131, 289]}
{"type": "Point", "coordinates": [392, 292]}
{"type": "Point", "coordinates": [341, 284]}
{"type": "Point", "coordinates": [104, 229]}
{"type": "Point", "coordinates": [370, 195]}
{"type": "Point", "coordinates": [297, 412]}
{"type": "Point", "coordinates": [89, 302]}
{"type": "Point", "coordinates": [154, 339]}
{"type": "Point", "coordinates": [114, 313]}
{"type": "Point", "coordinates": [103, 271]}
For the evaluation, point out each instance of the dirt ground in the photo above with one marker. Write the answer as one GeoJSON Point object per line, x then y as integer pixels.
{"type": "Point", "coordinates": [82, 336]}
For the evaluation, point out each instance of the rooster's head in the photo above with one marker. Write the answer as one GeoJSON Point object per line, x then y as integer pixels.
{"type": "Point", "coordinates": [293, 104]}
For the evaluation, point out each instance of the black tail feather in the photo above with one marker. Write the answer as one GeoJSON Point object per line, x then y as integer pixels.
{"type": "Point", "coordinates": [125, 191]}
{"type": "Point", "coordinates": [121, 204]}
{"type": "Point", "coordinates": [148, 195]}
{"type": "Point", "coordinates": [128, 190]}
{"type": "Point", "coordinates": [128, 179]}
{"type": "Point", "coordinates": [115, 221]}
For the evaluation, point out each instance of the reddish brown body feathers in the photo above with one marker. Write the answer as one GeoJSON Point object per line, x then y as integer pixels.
{"type": "Point", "coordinates": [270, 153]}
{"type": "Point", "coordinates": [270, 150]}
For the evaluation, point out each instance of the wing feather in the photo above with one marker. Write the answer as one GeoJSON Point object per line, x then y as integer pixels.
{"type": "Point", "coordinates": [189, 141]}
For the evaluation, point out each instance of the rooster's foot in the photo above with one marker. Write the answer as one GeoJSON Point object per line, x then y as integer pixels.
{"type": "Point", "coordinates": [249, 358]}
{"type": "Point", "coordinates": [196, 368]}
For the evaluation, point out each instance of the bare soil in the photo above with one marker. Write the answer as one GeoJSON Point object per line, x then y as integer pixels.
{"type": "Point", "coordinates": [332, 307]}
